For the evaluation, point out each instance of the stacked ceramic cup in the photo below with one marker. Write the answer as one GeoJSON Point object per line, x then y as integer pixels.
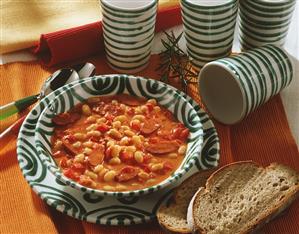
{"type": "Point", "coordinates": [209, 28]}
{"type": "Point", "coordinates": [129, 28]}
{"type": "Point", "coordinates": [264, 22]}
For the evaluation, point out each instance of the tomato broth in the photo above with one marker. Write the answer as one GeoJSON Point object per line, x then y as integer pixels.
{"type": "Point", "coordinates": [118, 143]}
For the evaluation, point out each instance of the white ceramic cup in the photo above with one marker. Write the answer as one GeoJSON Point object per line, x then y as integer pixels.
{"type": "Point", "coordinates": [129, 28]}
{"type": "Point", "coordinates": [209, 28]}
{"type": "Point", "coordinates": [264, 22]}
{"type": "Point", "coordinates": [231, 88]}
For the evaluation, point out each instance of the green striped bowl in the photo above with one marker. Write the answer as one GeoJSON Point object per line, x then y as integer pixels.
{"type": "Point", "coordinates": [111, 85]}
{"type": "Point", "coordinates": [128, 29]}
{"type": "Point", "coordinates": [233, 87]}
{"type": "Point", "coordinates": [264, 22]}
{"type": "Point", "coordinates": [209, 29]}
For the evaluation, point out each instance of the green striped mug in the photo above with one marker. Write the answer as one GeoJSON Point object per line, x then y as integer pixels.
{"type": "Point", "coordinates": [264, 22]}
{"type": "Point", "coordinates": [209, 28]}
{"type": "Point", "coordinates": [233, 87]}
{"type": "Point", "coordinates": [128, 28]}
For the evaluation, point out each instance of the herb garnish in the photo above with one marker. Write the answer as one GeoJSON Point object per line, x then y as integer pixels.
{"type": "Point", "coordinates": [175, 63]}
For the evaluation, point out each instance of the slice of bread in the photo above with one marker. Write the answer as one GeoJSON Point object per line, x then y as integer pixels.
{"type": "Point", "coordinates": [172, 217]}
{"type": "Point", "coordinates": [242, 196]}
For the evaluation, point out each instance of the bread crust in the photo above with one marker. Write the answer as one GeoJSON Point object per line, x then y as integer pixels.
{"type": "Point", "coordinates": [272, 213]}
{"type": "Point", "coordinates": [167, 228]}
{"type": "Point", "coordinates": [209, 180]}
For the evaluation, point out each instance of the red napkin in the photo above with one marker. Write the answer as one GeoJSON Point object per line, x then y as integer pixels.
{"type": "Point", "coordinates": [79, 42]}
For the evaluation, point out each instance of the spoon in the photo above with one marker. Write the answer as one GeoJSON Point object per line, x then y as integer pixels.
{"type": "Point", "coordinates": [82, 70]}
{"type": "Point", "coordinates": [53, 82]}
{"type": "Point", "coordinates": [56, 80]}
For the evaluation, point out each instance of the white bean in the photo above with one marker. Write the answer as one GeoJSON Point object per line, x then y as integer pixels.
{"type": "Point", "coordinates": [139, 117]}
{"type": "Point", "coordinates": [150, 181]}
{"type": "Point", "coordinates": [115, 134]}
{"type": "Point", "coordinates": [80, 136]}
{"type": "Point", "coordinates": [124, 128]}
{"type": "Point", "coordinates": [143, 175]}
{"type": "Point", "coordinates": [110, 143]}
{"type": "Point", "coordinates": [156, 167]}
{"type": "Point", "coordinates": [98, 168]}
{"type": "Point", "coordinates": [77, 144]}
{"type": "Point", "coordinates": [88, 144]}
{"type": "Point", "coordinates": [116, 124]}
{"type": "Point", "coordinates": [86, 110]}
{"type": "Point", "coordinates": [101, 120]}
{"type": "Point", "coordinates": [87, 151]}
{"type": "Point", "coordinates": [58, 145]}
{"type": "Point", "coordinates": [122, 107]}
{"type": "Point", "coordinates": [108, 187]}
{"type": "Point", "coordinates": [91, 119]}
{"type": "Point", "coordinates": [182, 149]}
{"type": "Point", "coordinates": [121, 118]}
{"type": "Point", "coordinates": [130, 149]}
{"type": "Point", "coordinates": [114, 161]}
{"type": "Point", "coordinates": [115, 150]}
{"type": "Point", "coordinates": [124, 141]}
{"type": "Point", "coordinates": [138, 155]}
{"type": "Point", "coordinates": [91, 127]}
{"type": "Point", "coordinates": [138, 110]}
{"type": "Point", "coordinates": [136, 140]}
{"type": "Point", "coordinates": [152, 101]}
{"type": "Point", "coordinates": [94, 133]}
{"type": "Point", "coordinates": [79, 158]}
{"type": "Point", "coordinates": [172, 155]}
{"type": "Point", "coordinates": [121, 187]}
{"type": "Point", "coordinates": [103, 172]}
{"type": "Point", "coordinates": [69, 162]}
{"type": "Point", "coordinates": [109, 176]}
{"type": "Point", "coordinates": [114, 102]}
{"type": "Point", "coordinates": [129, 133]}
{"type": "Point", "coordinates": [157, 109]}
{"type": "Point", "coordinates": [91, 174]}
{"type": "Point", "coordinates": [144, 109]}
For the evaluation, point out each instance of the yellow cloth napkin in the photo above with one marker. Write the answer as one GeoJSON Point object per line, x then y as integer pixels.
{"type": "Point", "coordinates": [23, 21]}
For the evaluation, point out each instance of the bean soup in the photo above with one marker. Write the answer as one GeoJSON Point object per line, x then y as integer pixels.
{"type": "Point", "coordinates": [118, 143]}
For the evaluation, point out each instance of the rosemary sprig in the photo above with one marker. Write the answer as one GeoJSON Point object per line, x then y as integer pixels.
{"type": "Point", "coordinates": [175, 63]}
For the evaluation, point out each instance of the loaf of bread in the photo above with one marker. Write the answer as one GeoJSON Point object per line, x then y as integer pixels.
{"type": "Point", "coordinates": [173, 217]}
{"type": "Point", "coordinates": [241, 197]}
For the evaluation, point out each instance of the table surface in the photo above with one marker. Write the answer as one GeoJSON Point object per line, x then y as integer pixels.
{"type": "Point", "coordinates": [290, 95]}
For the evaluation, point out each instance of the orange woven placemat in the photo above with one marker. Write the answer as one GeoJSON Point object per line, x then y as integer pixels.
{"type": "Point", "coordinates": [264, 137]}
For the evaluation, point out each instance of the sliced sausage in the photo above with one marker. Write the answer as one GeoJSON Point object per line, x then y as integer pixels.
{"type": "Point", "coordinates": [163, 147]}
{"type": "Point", "coordinates": [69, 147]}
{"type": "Point", "coordinates": [96, 158]}
{"type": "Point", "coordinates": [65, 118]}
{"type": "Point", "coordinates": [127, 173]}
{"type": "Point", "coordinates": [131, 100]}
{"type": "Point", "coordinates": [149, 126]}
{"type": "Point", "coordinates": [62, 119]}
{"type": "Point", "coordinates": [75, 117]}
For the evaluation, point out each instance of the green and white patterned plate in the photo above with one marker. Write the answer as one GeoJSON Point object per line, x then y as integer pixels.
{"type": "Point", "coordinates": [95, 208]}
